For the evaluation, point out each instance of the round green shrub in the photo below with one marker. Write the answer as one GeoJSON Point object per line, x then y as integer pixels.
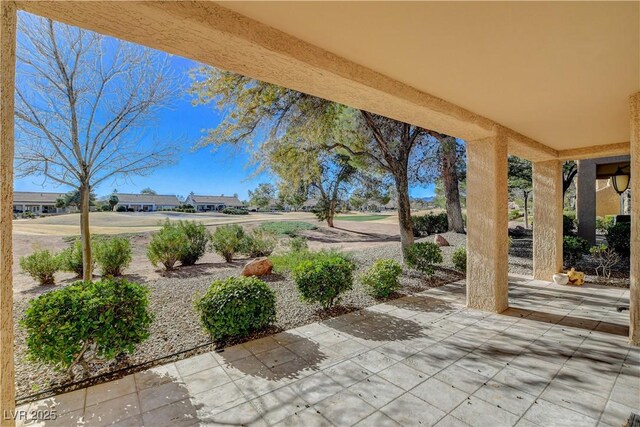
{"type": "Point", "coordinates": [430, 224]}
{"type": "Point", "coordinates": [236, 306]}
{"type": "Point", "coordinates": [228, 240]}
{"type": "Point", "coordinates": [459, 258]}
{"type": "Point", "coordinates": [259, 243]}
{"type": "Point", "coordinates": [323, 279]}
{"type": "Point", "coordinates": [167, 246]}
{"type": "Point", "coordinates": [86, 320]}
{"type": "Point", "coordinates": [381, 280]}
{"type": "Point", "coordinates": [619, 238]}
{"type": "Point", "coordinates": [573, 249]}
{"type": "Point", "coordinates": [423, 256]}
{"type": "Point", "coordinates": [113, 255]}
{"type": "Point", "coordinates": [197, 239]}
{"type": "Point", "coordinates": [71, 258]}
{"type": "Point", "coordinates": [41, 266]}
{"type": "Point", "coordinates": [298, 244]}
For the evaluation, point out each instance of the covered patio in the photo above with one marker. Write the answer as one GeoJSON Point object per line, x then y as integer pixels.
{"type": "Point", "coordinates": [556, 357]}
{"type": "Point", "coordinates": [544, 81]}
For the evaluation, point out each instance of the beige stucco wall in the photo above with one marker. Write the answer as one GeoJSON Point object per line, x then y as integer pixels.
{"type": "Point", "coordinates": [607, 199]}
{"type": "Point", "coordinates": [547, 217]}
{"type": "Point", "coordinates": [487, 237]}
{"type": "Point", "coordinates": [7, 82]}
{"type": "Point", "coordinates": [634, 292]}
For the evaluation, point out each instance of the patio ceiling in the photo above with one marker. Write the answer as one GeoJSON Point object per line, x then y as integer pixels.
{"type": "Point", "coordinates": [553, 78]}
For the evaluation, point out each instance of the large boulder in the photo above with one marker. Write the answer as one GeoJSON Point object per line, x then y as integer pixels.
{"type": "Point", "coordinates": [257, 267]}
{"type": "Point", "coordinates": [440, 241]}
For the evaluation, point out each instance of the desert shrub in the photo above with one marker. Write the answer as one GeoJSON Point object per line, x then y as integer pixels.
{"type": "Point", "coordinates": [606, 258]}
{"type": "Point", "coordinates": [71, 258]}
{"type": "Point", "coordinates": [41, 266]}
{"type": "Point", "coordinates": [515, 214]}
{"type": "Point", "coordinates": [121, 209]}
{"type": "Point", "coordinates": [287, 228]}
{"type": "Point", "coordinates": [569, 223]}
{"type": "Point", "coordinates": [423, 256]}
{"type": "Point", "coordinates": [573, 249]}
{"type": "Point", "coordinates": [429, 224]}
{"type": "Point", "coordinates": [459, 258]}
{"type": "Point", "coordinates": [381, 280]}
{"type": "Point", "coordinates": [197, 238]}
{"type": "Point", "coordinates": [236, 306]}
{"type": "Point", "coordinates": [228, 240]}
{"type": "Point", "coordinates": [235, 211]}
{"type": "Point", "coordinates": [113, 255]}
{"type": "Point", "coordinates": [603, 223]}
{"type": "Point", "coordinates": [298, 244]}
{"type": "Point", "coordinates": [286, 262]}
{"type": "Point", "coordinates": [105, 208]}
{"type": "Point", "coordinates": [259, 243]}
{"type": "Point", "coordinates": [619, 238]}
{"type": "Point", "coordinates": [86, 320]}
{"type": "Point", "coordinates": [323, 279]}
{"type": "Point", "coordinates": [167, 246]}
{"type": "Point", "coordinates": [28, 215]}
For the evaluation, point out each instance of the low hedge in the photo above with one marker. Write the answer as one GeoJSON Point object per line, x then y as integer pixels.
{"type": "Point", "coordinates": [235, 307]}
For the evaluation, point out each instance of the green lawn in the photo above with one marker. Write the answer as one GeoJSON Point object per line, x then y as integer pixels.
{"type": "Point", "coordinates": [287, 228]}
{"type": "Point", "coordinates": [360, 217]}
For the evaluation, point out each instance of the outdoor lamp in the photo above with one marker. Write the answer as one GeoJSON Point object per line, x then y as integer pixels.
{"type": "Point", "coordinates": [620, 181]}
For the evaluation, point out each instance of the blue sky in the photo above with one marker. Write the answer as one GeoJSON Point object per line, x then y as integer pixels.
{"type": "Point", "coordinates": [203, 171]}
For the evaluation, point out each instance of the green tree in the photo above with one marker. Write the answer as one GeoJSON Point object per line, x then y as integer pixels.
{"type": "Point", "coordinates": [74, 198]}
{"type": "Point", "coordinates": [262, 195]}
{"type": "Point", "coordinates": [148, 190]}
{"type": "Point", "coordinates": [113, 201]}
{"type": "Point", "coordinates": [258, 108]}
{"type": "Point", "coordinates": [520, 179]}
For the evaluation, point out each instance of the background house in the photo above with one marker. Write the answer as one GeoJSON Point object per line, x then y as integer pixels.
{"type": "Point", "coordinates": [213, 203]}
{"type": "Point", "coordinates": [147, 202]}
{"type": "Point", "coordinates": [38, 203]}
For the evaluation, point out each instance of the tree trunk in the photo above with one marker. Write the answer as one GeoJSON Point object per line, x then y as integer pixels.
{"type": "Point", "coordinates": [450, 183]}
{"type": "Point", "coordinates": [526, 210]}
{"type": "Point", "coordinates": [404, 212]}
{"type": "Point", "coordinates": [85, 235]}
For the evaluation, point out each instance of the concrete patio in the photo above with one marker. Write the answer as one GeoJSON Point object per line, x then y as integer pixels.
{"type": "Point", "coordinates": [558, 357]}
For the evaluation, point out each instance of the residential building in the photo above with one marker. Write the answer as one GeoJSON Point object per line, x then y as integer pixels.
{"type": "Point", "coordinates": [213, 203]}
{"type": "Point", "coordinates": [147, 202]}
{"type": "Point", "coordinates": [36, 202]}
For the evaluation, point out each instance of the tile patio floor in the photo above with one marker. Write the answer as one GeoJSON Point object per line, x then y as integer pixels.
{"type": "Point", "coordinates": [558, 357]}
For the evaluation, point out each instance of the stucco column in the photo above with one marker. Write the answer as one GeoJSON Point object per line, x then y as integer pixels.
{"type": "Point", "coordinates": [634, 291]}
{"type": "Point", "coordinates": [547, 219]}
{"type": "Point", "coordinates": [586, 200]}
{"type": "Point", "coordinates": [7, 86]}
{"type": "Point", "coordinates": [487, 226]}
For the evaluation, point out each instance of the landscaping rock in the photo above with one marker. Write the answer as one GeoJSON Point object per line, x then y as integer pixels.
{"type": "Point", "coordinates": [440, 241]}
{"type": "Point", "coordinates": [257, 267]}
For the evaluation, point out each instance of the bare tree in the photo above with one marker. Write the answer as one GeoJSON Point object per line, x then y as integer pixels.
{"type": "Point", "coordinates": [83, 105]}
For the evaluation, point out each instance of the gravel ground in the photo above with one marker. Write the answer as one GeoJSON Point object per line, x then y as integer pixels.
{"type": "Point", "coordinates": [176, 328]}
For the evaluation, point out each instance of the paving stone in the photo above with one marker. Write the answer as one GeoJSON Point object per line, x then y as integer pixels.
{"type": "Point", "coordinates": [110, 390]}
{"type": "Point", "coordinates": [377, 419]}
{"type": "Point", "coordinates": [316, 387]}
{"type": "Point", "coordinates": [196, 364]}
{"type": "Point", "coordinates": [344, 408]}
{"type": "Point", "coordinates": [347, 373]}
{"type": "Point", "coordinates": [521, 380]}
{"type": "Point", "coordinates": [403, 376]}
{"type": "Point", "coordinates": [462, 378]}
{"type": "Point", "coordinates": [156, 376]}
{"type": "Point", "coordinates": [476, 412]}
{"type": "Point", "coordinates": [373, 360]}
{"type": "Point", "coordinates": [545, 413]}
{"type": "Point", "coordinates": [308, 418]}
{"type": "Point", "coordinates": [408, 410]}
{"type": "Point", "coordinates": [439, 394]}
{"type": "Point", "coordinates": [112, 411]}
{"type": "Point", "coordinates": [206, 380]}
{"type": "Point", "coordinates": [376, 391]}
{"type": "Point", "coordinates": [508, 398]}
{"type": "Point", "coordinates": [575, 399]}
{"type": "Point", "coordinates": [244, 414]}
{"type": "Point", "coordinates": [161, 395]}
{"type": "Point", "coordinates": [279, 404]}
{"type": "Point", "coordinates": [180, 413]}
